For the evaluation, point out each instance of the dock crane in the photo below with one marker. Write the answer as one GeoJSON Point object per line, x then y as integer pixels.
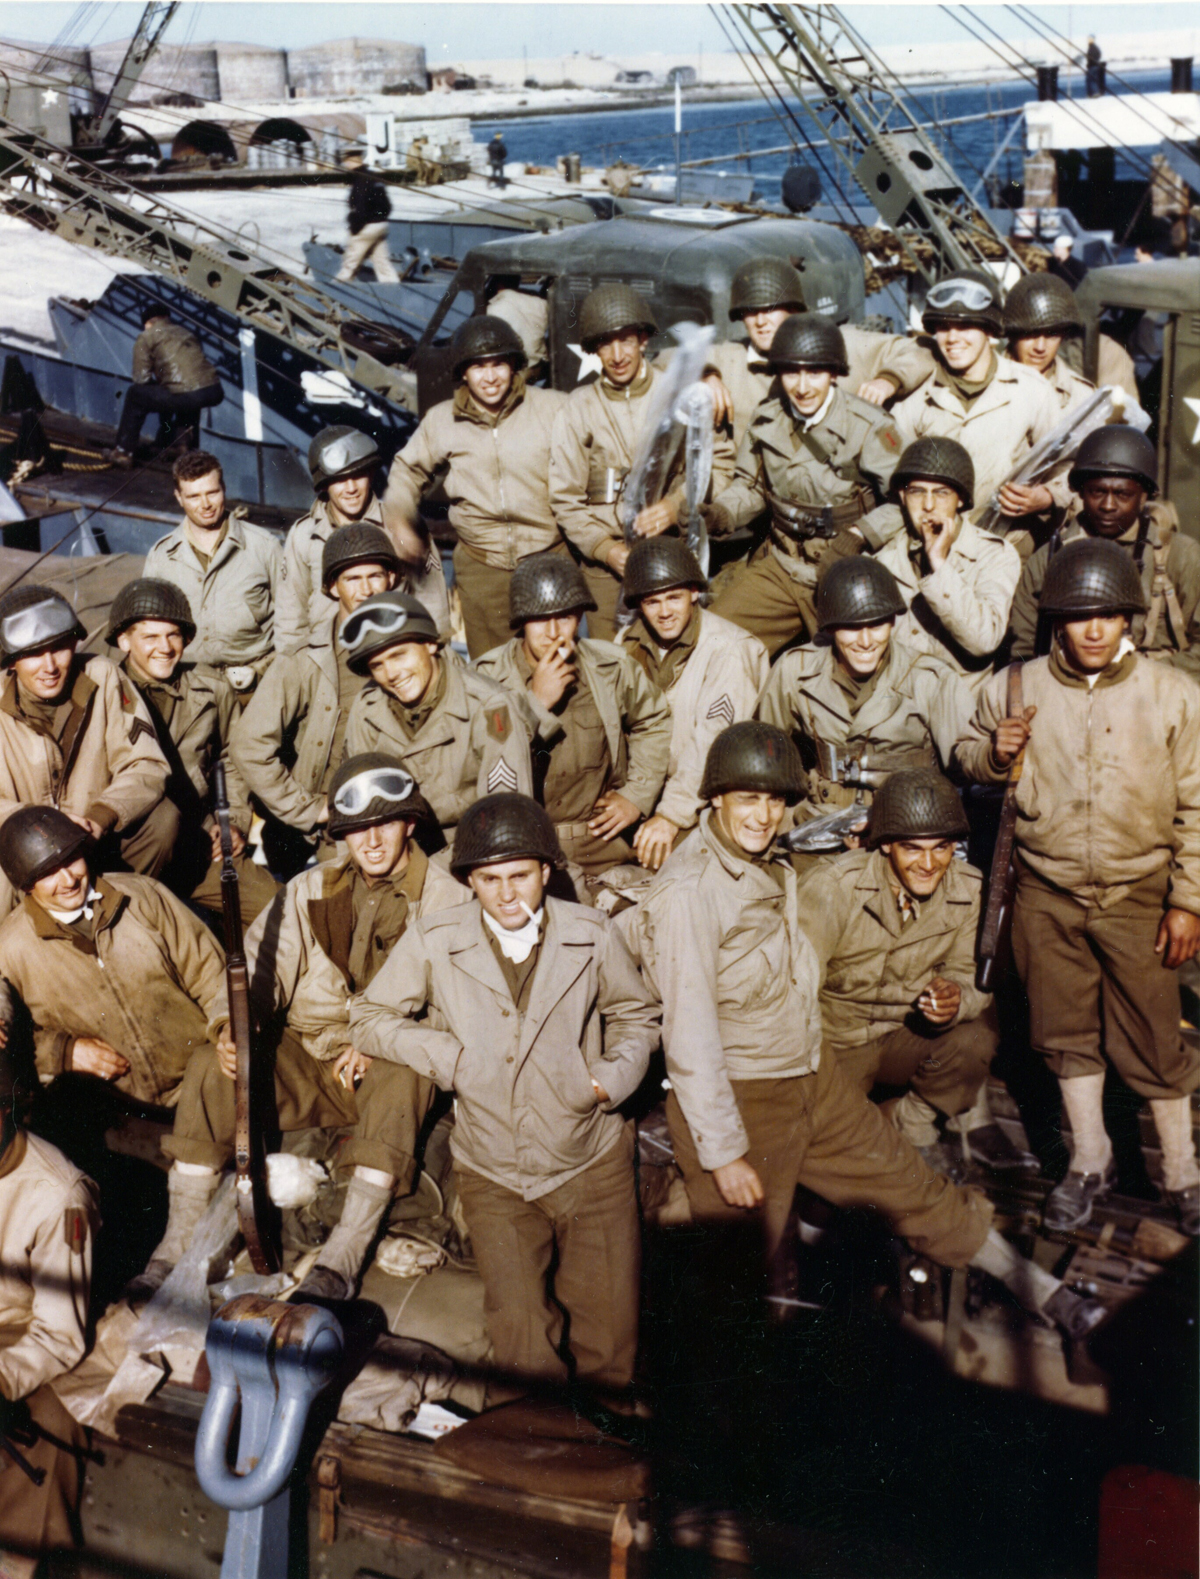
{"type": "Point", "coordinates": [98, 129]}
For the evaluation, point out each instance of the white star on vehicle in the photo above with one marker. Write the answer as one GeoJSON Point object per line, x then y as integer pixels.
{"type": "Point", "coordinates": [1193, 406]}
{"type": "Point", "coordinates": [589, 362]}
{"type": "Point", "coordinates": [49, 97]}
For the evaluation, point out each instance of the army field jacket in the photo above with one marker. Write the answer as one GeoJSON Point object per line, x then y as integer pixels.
{"type": "Point", "coordinates": [233, 599]}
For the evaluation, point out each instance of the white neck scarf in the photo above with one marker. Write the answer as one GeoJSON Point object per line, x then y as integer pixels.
{"type": "Point", "coordinates": [520, 943]}
{"type": "Point", "coordinates": [67, 917]}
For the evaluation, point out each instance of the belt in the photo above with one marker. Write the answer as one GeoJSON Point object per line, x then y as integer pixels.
{"type": "Point", "coordinates": [856, 768]}
{"type": "Point", "coordinates": [793, 523]}
{"type": "Point", "coordinates": [572, 830]}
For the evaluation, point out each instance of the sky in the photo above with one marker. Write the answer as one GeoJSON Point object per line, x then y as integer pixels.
{"type": "Point", "coordinates": [498, 30]}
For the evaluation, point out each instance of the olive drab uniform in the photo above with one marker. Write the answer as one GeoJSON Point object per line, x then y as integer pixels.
{"type": "Point", "coordinates": [465, 739]}
{"type": "Point", "coordinates": [231, 593]}
{"type": "Point", "coordinates": [48, 1222]}
{"type": "Point", "coordinates": [611, 730]}
{"type": "Point", "coordinates": [1170, 568]}
{"type": "Point", "coordinates": [853, 734]}
{"type": "Point", "coordinates": [1070, 388]}
{"type": "Point", "coordinates": [595, 435]}
{"type": "Point", "coordinates": [816, 478]}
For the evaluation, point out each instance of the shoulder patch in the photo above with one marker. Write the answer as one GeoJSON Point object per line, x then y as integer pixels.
{"type": "Point", "coordinates": [499, 722]}
{"type": "Point", "coordinates": [889, 437]}
{"type": "Point", "coordinates": [75, 1229]}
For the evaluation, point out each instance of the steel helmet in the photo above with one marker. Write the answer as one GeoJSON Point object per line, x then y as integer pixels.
{"type": "Point", "coordinates": [765, 283]}
{"type": "Point", "coordinates": [808, 340]}
{"type": "Point", "coordinates": [935, 459]}
{"type": "Point", "coordinates": [753, 756]}
{"type": "Point", "coordinates": [38, 840]}
{"type": "Point", "coordinates": [148, 599]}
{"type": "Point", "coordinates": [857, 592]}
{"type": "Point", "coordinates": [970, 297]}
{"type": "Point", "coordinates": [1091, 576]}
{"type": "Point", "coordinates": [656, 564]}
{"type": "Point", "coordinates": [1041, 304]}
{"type": "Point", "coordinates": [609, 309]}
{"type": "Point", "coordinates": [1116, 451]}
{"type": "Point", "coordinates": [358, 544]}
{"type": "Point", "coordinates": [340, 452]}
{"type": "Point", "coordinates": [384, 621]}
{"type": "Point", "coordinates": [504, 827]}
{"type": "Point", "coordinates": [917, 803]}
{"type": "Point", "coordinates": [544, 585]}
{"type": "Point", "coordinates": [34, 617]}
{"type": "Point", "coordinates": [372, 788]}
{"type": "Point", "coordinates": [483, 339]}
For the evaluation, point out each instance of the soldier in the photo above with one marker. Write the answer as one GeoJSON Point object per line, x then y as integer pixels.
{"type": "Point", "coordinates": [73, 735]}
{"type": "Point", "coordinates": [1114, 478]}
{"type": "Point", "coordinates": [957, 579]}
{"type": "Point", "coordinates": [519, 983]}
{"type": "Point", "coordinates": [457, 733]}
{"type": "Point", "coordinates": [344, 464]}
{"type": "Point", "coordinates": [228, 571]}
{"type": "Point", "coordinates": [996, 409]}
{"type": "Point", "coordinates": [172, 377]}
{"type": "Point", "coordinates": [117, 974]}
{"type": "Point", "coordinates": [600, 730]}
{"type": "Point", "coordinates": [595, 435]}
{"type": "Point", "coordinates": [820, 460]}
{"type": "Point", "coordinates": [489, 448]}
{"type": "Point", "coordinates": [48, 1219]}
{"type": "Point", "coordinates": [709, 671]}
{"type": "Point", "coordinates": [331, 930]}
{"type": "Point", "coordinates": [894, 929]}
{"type": "Point", "coordinates": [192, 709]}
{"type": "Point", "coordinates": [369, 207]}
{"type": "Point", "coordinates": [1108, 847]}
{"type": "Point", "coordinates": [754, 1108]}
{"type": "Point", "coordinates": [1039, 315]}
{"type": "Point", "coordinates": [863, 704]}
{"type": "Point", "coordinates": [762, 294]}
{"type": "Point", "coordinates": [288, 743]}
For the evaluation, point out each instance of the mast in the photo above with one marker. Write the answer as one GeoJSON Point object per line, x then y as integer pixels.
{"type": "Point", "coordinates": [94, 131]}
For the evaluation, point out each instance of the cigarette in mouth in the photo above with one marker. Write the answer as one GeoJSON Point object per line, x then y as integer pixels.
{"type": "Point", "coordinates": [526, 909]}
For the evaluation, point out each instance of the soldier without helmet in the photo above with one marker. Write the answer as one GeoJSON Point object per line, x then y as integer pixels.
{"type": "Point", "coordinates": [546, 1028]}
{"type": "Point", "coordinates": [344, 466]}
{"type": "Point", "coordinates": [819, 460]}
{"type": "Point", "coordinates": [327, 935]}
{"type": "Point", "coordinates": [861, 704]}
{"type": "Point", "coordinates": [595, 436]}
{"type": "Point", "coordinates": [74, 735]}
{"type": "Point", "coordinates": [458, 733]}
{"type": "Point", "coordinates": [957, 580]}
{"type": "Point", "coordinates": [755, 1107]}
{"type": "Point", "coordinates": [709, 672]}
{"type": "Point", "coordinates": [1108, 863]}
{"type": "Point", "coordinates": [600, 729]}
{"type": "Point", "coordinates": [489, 448]}
{"type": "Point", "coordinates": [1114, 478]}
{"type": "Point", "coordinates": [193, 709]}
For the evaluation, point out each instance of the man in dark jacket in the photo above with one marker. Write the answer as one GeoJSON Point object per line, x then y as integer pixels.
{"type": "Point", "coordinates": [171, 375]}
{"type": "Point", "coordinates": [370, 207]}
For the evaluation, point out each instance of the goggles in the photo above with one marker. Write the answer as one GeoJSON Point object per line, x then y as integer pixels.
{"type": "Point", "coordinates": [38, 625]}
{"type": "Point", "coordinates": [974, 295]}
{"type": "Point", "coordinates": [365, 623]}
{"type": "Point", "coordinates": [346, 451]}
{"type": "Point", "coordinates": [391, 785]}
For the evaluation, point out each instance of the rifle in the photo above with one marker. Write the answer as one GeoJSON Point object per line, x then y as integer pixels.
{"type": "Point", "coordinates": [997, 916]}
{"type": "Point", "coordinates": [256, 1217]}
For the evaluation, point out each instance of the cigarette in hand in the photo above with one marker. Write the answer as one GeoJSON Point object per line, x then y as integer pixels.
{"type": "Point", "coordinates": [564, 652]}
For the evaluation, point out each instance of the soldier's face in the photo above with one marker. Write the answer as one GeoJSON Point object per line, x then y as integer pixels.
{"type": "Point", "coordinates": [931, 504]}
{"type": "Point", "coordinates": [510, 891]}
{"type": "Point", "coordinates": [63, 890]}
{"type": "Point", "coordinates": [44, 674]}
{"type": "Point", "coordinates": [1036, 350]}
{"type": "Point", "coordinates": [378, 851]}
{"type": "Point", "coordinates": [806, 388]}
{"type": "Point", "coordinates": [405, 671]}
{"type": "Point", "coordinates": [351, 495]}
{"type": "Point", "coordinates": [155, 646]}
{"type": "Point", "coordinates": [1112, 506]}
{"type": "Point", "coordinates": [202, 500]}
{"type": "Point", "coordinates": [964, 349]}
{"type": "Point", "coordinates": [861, 650]}
{"type": "Point", "coordinates": [667, 613]}
{"type": "Point", "coordinates": [750, 818]}
{"type": "Point", "coordinates": [490, 381]}
{"type": "Point", "coordinates": [542, 636]}
{"type": "Point", "coordinates": [360, 582]}
{"type": "Point", "coordinates": [920, 864]}
{"type": "Point", "coordinates": [1091, 645]}
{"type": "Point", "coordinates": [621, 355]}
{"type": "Point", "coordinates": [761, 326]}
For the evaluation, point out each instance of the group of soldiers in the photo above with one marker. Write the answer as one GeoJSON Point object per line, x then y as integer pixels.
{"type": "Point", "coordinates": [514, 878]}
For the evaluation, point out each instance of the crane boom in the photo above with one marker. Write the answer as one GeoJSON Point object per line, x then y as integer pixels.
{"type": "Point", "coordinates": [151, 27]}
{"type": "Point", "coordinates": [860, 105]}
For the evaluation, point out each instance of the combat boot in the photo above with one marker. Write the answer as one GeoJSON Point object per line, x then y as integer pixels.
{"type": "Point", "coordinates": [1069, 1204]}
{"type": "Point", "coordinates": [335, 1276]}
{"type": "Point", "coordinates": [190, 1194]}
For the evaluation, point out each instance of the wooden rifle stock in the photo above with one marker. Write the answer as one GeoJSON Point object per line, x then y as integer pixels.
{"type": "Point", "coordinates": [256, 1215]}
{"type": "Point", "coordinates": [997, 915]}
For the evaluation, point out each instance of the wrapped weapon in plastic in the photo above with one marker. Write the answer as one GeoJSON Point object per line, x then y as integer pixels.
{"type": "Point", "coordinates": [698, 456]}
{"type": "Point", "coordinates": [824, 835]}
{"type": "Point", "coordinates": [665, 424]}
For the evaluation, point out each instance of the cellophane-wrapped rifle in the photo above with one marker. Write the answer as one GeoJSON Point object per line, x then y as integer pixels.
{"type": "Point", "coordinates": [997, 914]}
{"type": "Point", "coordinates": [256, 1215]}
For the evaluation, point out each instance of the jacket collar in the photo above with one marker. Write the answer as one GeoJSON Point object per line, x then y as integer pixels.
{"type": "Point", "coordinates": [879, 897]}
{"type": "Point", "coordinates": [737, 867]}
{"type": "Point", "coordinates": [111, 903]}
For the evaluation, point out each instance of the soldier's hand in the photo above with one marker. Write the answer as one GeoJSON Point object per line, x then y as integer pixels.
{"type": "Point", "coordinates": [349, 1067]}
{"type": "Point", "coordinates": [94, 828]}
{"type": "Point", "coordinates": [91, 1055]}
{"type": "Point", "coordinates": [601, 1093]}
{"type": "Point", "coordinates": [237, 841]}
{"type": "Point", "coordinates": [655, 519]}
{"type": "Point", "coordinates": [739, 1185]}
{"type": "Point", "coordinates": [554, 675]}
{"type": "Point", "coordinates": [1179, 936]}
{"type": "Point", "coordinates": [1010, 735]}
{"type": "Point", "coordinates": [227, 1053]}
{"type": "Point", "coordinates": [876, 390]}
{"type": "Point", "coordinates": [722, 399]}
{"type": "Point", "coordinates": [653, 842]}
{"type": "Point", "coordinates": [845, 545]}
{"type": "Point", "coordinates": [940, 1001]}
{"type": "Point", "coordinates": [618, 553]}
{"type": "Point", "coordinates": [611, 814]}
{"type": "Point", "coordinates": [937, 542]}
{"type": "Point", "coordinates": [1019, 498]}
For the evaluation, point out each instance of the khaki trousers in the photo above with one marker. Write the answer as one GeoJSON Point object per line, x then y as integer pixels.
{"type": "Point", "coordinates": [146, 845]}
{"type": "Point", "coordinates": [387, 1110]}
{"type": "Point", "coordinates": [593, 856]}
{"type": "Point", "coordinates": [1096, 988]}
{"type": "Point", "coordinates": [370, 244]}
{"type": "Point", "coordinates": [764, 599]}
{"type": "Point", "coordinates": [483, 595]}
{"type": "Point", "coordinates": [37, 1519]}
{"type": "Point", "coordinates": [820, 1131]}
{"type": "Point", "coordinates": [946, 1068]}
{"type": "Point", "coordinates": [256, 887]}
{"type": "Point", "coordinates": [605, 587]}
{"type": "Point", "coordinates": [591, 1223]}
